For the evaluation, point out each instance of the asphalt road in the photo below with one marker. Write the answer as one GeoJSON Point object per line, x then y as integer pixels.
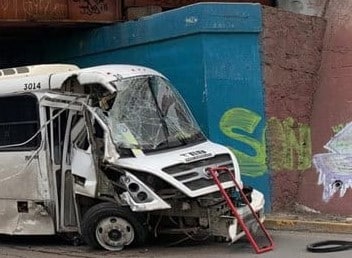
{"type": "Point", "coordinates": [288, 244]}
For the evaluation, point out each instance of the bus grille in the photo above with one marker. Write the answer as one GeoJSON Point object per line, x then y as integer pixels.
{"type": "Point", "coordinates": [194, 174]}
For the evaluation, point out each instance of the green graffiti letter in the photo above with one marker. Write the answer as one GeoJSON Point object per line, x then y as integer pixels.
{"type": "Point", "coordinates": [240, 119]}
{"type": "Point", "coordinates": [290, 144]}
{"type": "Point", "coordinates": [337, 128]}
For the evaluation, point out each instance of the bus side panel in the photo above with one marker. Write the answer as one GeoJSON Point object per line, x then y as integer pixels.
{"type": "Point", "coordinates": [25, 218]}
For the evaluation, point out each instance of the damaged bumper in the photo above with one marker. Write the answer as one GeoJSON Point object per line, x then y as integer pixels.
{"type": "Point", "coordinates": [235, 232]}
{"type": "Point", "coordinates": [228, 226]}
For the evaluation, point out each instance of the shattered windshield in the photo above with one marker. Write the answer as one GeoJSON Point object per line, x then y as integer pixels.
{"type": "Point", "coordinates": [149, 114]}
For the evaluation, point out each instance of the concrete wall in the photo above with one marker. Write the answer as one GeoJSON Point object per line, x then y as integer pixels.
{"type": "Point", "coordinates": [307, 7]}
{"type": "Point", "coordinates": [327, 187]}
{"type": "Point", "coordinates": [292, 47]}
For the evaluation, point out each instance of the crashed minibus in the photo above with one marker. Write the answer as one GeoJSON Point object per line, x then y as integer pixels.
{"type": "Point", "coordinates": [111, 154]}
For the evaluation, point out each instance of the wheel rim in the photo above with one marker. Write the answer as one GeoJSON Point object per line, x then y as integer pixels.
{"type": "Point", "coordinates": [113, 233]}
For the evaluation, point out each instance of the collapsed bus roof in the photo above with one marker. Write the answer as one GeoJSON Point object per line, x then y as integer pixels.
{"type": "Point", "coordinates": [52, 76]}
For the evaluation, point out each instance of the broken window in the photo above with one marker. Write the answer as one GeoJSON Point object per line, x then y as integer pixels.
{"type": "Point", "coordinates": [149, 114]}
{"type": "Point", "coordinates": [19, 122]}
{"type": "Point", "coordinates": [58, 126]}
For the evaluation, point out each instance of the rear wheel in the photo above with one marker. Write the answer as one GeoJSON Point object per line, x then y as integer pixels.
{"type": "Point", "coordinates": [110, 227]}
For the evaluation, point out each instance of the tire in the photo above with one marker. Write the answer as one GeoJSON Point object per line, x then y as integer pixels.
{"type": "Point", "coordinates": [110, 227]}
{"type": "Point", "coordinates": [329, 246]}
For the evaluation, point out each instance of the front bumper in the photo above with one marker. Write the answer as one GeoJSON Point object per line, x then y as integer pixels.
{"type": "Point", "coordinates": [228, 226]}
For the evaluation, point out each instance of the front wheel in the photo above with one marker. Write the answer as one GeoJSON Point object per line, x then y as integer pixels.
{"type": "Point", "coordinates": [110, 227]}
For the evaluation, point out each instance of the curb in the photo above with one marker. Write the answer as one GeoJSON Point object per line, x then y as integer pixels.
{"type": "Point", "coordinates": [277, 223]}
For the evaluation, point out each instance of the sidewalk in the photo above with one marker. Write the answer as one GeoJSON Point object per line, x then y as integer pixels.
{"type": "Point", "coordinates": [308, 223]}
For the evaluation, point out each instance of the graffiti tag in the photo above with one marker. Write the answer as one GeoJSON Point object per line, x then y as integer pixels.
{"type": "Point", "coordinates": [44, 9]}
{"type": "Point", "coordinates": [4, 5]}
{"type": "Point", "coordinates": [91, 7]}
{"type": "Point", "coordinates": [335, 167]}
{"type": "Point", "coordinates": [238, 124]}
{"type": "Point", "coordinates": [337, 128]}
{"type": "Point", "coordinates": [289, 143]}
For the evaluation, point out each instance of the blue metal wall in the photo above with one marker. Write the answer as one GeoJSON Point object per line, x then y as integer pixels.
{"type": "Point", "coordinates": [211, 52]}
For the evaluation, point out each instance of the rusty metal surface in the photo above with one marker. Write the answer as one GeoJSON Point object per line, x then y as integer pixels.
{"type": "Point", "coordinates": [98, 10]}
{"type": "Point", "coordinates": [33, 10]}
{"type": "Point", "coordinates": [24, 13]}
{"type": "Point", "coordinates": [60, 10]}
{"type": "Point", "coordinates": [178, 3]}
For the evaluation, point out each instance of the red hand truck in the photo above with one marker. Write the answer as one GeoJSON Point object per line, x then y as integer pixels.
{"type": "Point", "coordinates": [269, 242]}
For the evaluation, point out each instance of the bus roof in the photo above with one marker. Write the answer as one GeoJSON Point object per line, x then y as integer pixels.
{"type": "Point", "coordinates": [52, 76]}
{"type": "Point", "coordinates": [25, 71]}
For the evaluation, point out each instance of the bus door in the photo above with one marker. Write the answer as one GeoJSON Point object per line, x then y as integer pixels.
{"type": "Point", "coordinates": [64, 115]}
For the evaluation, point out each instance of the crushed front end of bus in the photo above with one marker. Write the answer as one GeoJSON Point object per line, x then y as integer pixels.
{"type": "Point", "coordinates": [154, 167]}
